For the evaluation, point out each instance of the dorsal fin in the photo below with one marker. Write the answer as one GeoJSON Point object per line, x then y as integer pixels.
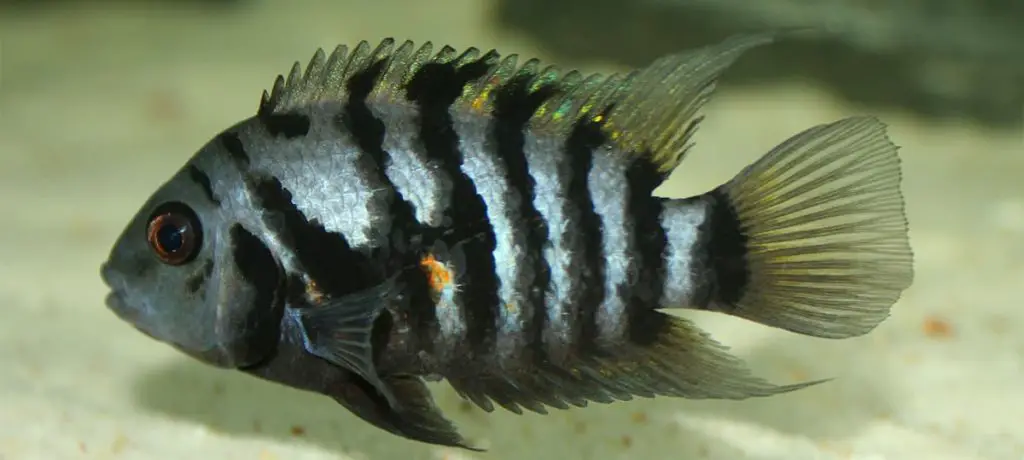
{"type": "Point", "coordinates": [653, 111]}
{"type": "Point", "coordinates": [326, 77]}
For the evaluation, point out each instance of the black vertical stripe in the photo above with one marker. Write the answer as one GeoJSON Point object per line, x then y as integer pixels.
{"type": "Point", "coordinates": [586, 136]}
{"type": "Point", "coordinates": [645, 210]}
{"type": "Point", "coordinates": [261, 318]}
{"type": "Point", "coordinates": [288, 125]}
{"type": "Point", "coordinates": [434, 88]}
{"type": "Point", "coordinates": [203, 181]}
{"type": "Point", "coordinates": [369, 132]}
{"type": "Point", "coordinates": [233, 144]}
{"type": "Point", "coordinates": [196, 283]}
{"type": "Point", "coordinates": [727, 252]}
{"type": "Point", "coordinates": [357, 119]}
{"type": "Point", "coordinates": [257, 266]}
{"type": "Point", "coordinates": [514, 104]}
{"type": "Point", "coordinates": [327, 257]}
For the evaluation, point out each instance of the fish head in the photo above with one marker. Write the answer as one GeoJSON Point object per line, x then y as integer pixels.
{"type": "Point", "coordinates": [185, 272]}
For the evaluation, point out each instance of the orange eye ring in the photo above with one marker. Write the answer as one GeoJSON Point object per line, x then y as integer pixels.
{"type": "Point", "coordinates": [174, 234]}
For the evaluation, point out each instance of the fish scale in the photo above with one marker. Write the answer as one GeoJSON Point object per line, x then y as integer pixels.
{"type": "Point", "coordinates": [393, 214]}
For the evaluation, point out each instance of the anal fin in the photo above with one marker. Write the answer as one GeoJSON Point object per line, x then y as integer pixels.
{"type": "Point", "coordinates": [678, 360]}
{"type": "Point", "coordinates": [340, 330]}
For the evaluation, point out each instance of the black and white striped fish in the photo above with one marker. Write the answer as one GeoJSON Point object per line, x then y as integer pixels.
{"type": "Point", "coordinates": [396, 213]}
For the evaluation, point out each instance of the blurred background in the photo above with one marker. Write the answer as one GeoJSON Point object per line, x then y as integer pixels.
{"type": "Point", "coordinates": [100, 101]}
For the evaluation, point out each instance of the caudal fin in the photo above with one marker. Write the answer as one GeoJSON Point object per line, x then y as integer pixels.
{"type": "Point", "coordinates": [812, 238]}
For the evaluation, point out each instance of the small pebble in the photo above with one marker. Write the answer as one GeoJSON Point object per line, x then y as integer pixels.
{"type": "Point", "coordinates": [937, 328]}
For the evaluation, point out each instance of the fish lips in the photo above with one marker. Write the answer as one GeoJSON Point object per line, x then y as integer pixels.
{"type": "Point", "coordinates": [115, 298]}
{"type": "Point", "coordinates": [115, 302]}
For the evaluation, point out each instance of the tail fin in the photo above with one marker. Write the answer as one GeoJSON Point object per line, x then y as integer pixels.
{"type": "Point", "coordinates": [812, 238]}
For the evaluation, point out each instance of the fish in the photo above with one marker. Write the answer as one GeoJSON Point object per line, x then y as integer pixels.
{"type": "Point", "coordinates": [396, 214]}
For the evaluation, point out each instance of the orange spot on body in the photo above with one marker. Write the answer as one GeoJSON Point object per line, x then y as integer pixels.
{"type": "Point", "coordinates": [313, 292]}
{"type": "Point", "coordinates": [439, 277]}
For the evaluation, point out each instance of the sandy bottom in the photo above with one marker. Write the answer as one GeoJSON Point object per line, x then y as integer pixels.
{"type": "Point", "coordinates": [99, 106]}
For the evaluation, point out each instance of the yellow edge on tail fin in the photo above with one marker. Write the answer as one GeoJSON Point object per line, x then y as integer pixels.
{"type": "Point", "coordinates": [827, 251]}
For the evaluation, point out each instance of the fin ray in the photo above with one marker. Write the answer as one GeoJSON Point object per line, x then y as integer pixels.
{"type": "Point", "coordinates": [340, 331]}
{"type": "Point", "coordinates": [682, 361]}
{"type": "Point", "coordinates": [827, 251]}
{"type": "Point", "coordinates": [660, 112]}
{"type": "Point", "coordinates": [651, 112]}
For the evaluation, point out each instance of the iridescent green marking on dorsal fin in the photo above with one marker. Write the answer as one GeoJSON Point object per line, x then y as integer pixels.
{"type": "Point", "coordinates": [403, 64]}
{"type": "Point", "coordinates": [653, 111]}
{"type": "Point", "coordinates": [579, 98]}
{"type": "Point", "coordinates": [661, 111]}
{"type": "Point", "coordinates": [479, 97]}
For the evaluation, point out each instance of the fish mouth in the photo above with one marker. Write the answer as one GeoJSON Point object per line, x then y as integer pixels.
{"type": "Point", "coordinates": [107, 274]}
{"type": "Point", "coordinates": [115, 302]}
{"type": "Point", "coordinates": [114, 299]}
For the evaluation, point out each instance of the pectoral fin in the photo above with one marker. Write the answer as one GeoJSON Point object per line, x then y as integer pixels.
{"type": "Point", "coordinates": [341, 330]}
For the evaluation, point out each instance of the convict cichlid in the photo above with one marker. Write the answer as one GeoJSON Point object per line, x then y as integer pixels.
{"type": "Point", "coordinates": [396, 214]}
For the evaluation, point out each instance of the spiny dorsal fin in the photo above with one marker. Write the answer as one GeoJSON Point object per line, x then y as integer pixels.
{"type": "Point", "coordinates": [327, 77]}
{"type": "Point", "coordinates": [653, 111]}
{"type": "Point", "coordinates": [479, 97]}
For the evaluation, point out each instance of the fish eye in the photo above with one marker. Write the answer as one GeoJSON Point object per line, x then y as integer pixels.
{"type": "Point", "coordinates": [174, 234]}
